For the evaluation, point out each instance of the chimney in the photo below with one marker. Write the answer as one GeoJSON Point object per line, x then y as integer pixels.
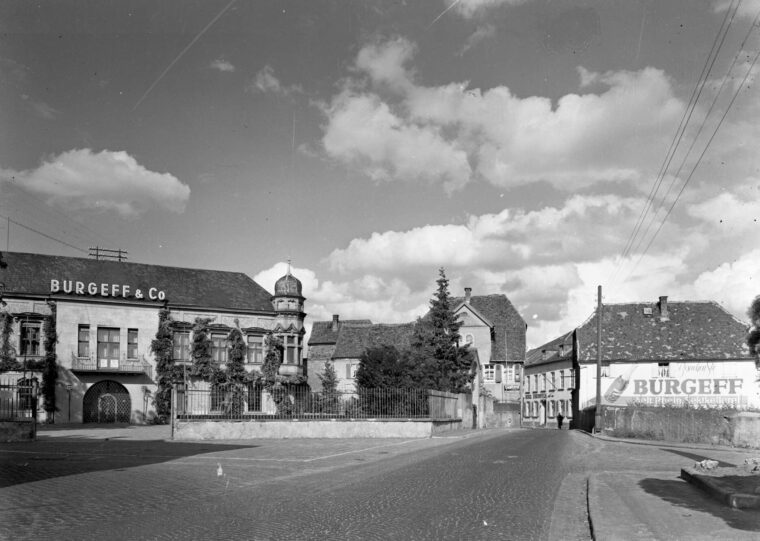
{"type": "Point", "coordinates": [467, 294]}
{"type": "Point", "coordinates": [664, 308]}
{"type": "Point", "coordinates": [335, 323]}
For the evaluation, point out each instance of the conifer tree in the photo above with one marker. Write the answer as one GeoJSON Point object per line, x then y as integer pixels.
{"type": "Point", "coordinates": [437, 359]}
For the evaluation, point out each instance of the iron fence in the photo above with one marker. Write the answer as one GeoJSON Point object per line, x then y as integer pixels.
{"type": "Point", "coordinates": [18, 399]}
{"type": "Point", "coordinates": [298, 403]}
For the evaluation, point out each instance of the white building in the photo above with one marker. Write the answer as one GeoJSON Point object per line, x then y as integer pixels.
{"type": "Point", "coordinates": [106, 316]}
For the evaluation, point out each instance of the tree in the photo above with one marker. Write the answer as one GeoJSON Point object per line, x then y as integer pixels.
{"type": "Point", "coordinates": [270, 370]}
{"type": "Point", "coordinates": [329, 379]}
{"type": "Point", "coordinates": [329, 402]}
{"type": "Point", "coordinates": [8, 360]}
{"type": "Point", "coordinates": [753, 337]}
{"type": "Point", "coordinates": [384, 367]}
{"type": "Point", "coordinates": [438, 361]}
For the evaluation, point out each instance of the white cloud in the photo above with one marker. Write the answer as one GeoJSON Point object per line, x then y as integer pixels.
{"type": "Point", "coordinates": [105, 181]}
{"type": "Point", "coordinates": [222, 65]}
{"type": "Point", "coordinates": [472, 8]}
{"type": "Point", "coordinates": [614, 134]}
{"type": "Point", "coordinates": [266, 82]}
{"type": "Point", "coordinates": [482, 33]}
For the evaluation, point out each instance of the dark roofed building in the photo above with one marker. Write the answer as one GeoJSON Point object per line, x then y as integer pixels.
{"type": "Point", "coordinates": [343, 341]}
{"type": "Point", "coordinates": [493, 326]}
{"type": "Point", "coordinates": [656, 353]}
{"type": "Point", "coordinates": [106, 315]}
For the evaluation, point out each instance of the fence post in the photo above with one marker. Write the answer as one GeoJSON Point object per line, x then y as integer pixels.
{"type": "Point", "coordinates": [173, 409]}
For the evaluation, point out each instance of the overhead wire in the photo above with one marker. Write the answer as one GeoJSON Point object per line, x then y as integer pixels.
{"type": "Point", "coordinates": [9, 219]}
{"type": "Point", "coordinates": [675, 142]}
{"type": "Point", "coordinates": [702, 154]}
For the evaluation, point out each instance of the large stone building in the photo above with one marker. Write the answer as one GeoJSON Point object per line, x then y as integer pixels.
{"type": "Point", "coordinates": [656, 353]}
{"type": "Point", "coordinates": [106, 315]}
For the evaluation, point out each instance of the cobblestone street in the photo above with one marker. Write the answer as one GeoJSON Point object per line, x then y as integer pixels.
{"type": "Point", "coordinates": [499, 484]}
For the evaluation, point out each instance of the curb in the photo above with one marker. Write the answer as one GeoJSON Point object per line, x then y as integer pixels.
{"type": "Point", "coordinates": [737, 500]}
{"type": "Point", "coordinates": [676, 444]}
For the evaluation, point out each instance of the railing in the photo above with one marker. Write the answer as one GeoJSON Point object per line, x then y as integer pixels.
{"type": "Point", "coordinates": [255, 403]}
{"type": "Point", "coordinates": [124, 366]}
{"type": "Point", "coordinates": [18, 400]}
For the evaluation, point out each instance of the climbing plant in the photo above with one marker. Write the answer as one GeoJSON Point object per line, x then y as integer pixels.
{"type": "Point", "coordinates": [166, 374]}
{"type": "Point", "coordinates": [200, 350]}
{"type": "Point", "coordinates": [50, 366]}
{"type": "Point", "coordinates": [8, 360]}
{"type": "Point", "coordinates": [236, 375]}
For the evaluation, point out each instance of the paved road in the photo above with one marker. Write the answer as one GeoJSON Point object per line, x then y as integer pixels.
{"type": "Point", "coordinates": [501, 484]}
{"type": "Point", "coordinates": [497, 485]}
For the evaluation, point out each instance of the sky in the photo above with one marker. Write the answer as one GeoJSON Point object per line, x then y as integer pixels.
{"type": "Point", "coordinates": [534, 148]}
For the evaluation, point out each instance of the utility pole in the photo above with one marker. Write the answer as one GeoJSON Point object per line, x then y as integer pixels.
{"type": "Point", "coordinates": [598, 419]}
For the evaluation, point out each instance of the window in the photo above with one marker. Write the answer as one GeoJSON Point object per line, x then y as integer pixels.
{"type": "Point", "coordinates": [551, 409]}
{"type": "Point", "coordinates": [255, 349]}
{"type": "Point", "coordinates": [108, 347]}
{"type": "Point", "coordinates": [219, 348]}
{"type": "Point", "coordinates": [561, 379]}
{"type": "Point", "coordinates": [181, 346]}
{"type": "Point", "coordinates": [83, 341]}
{"type": "Point", "coordinates": [132, 344]}
{"type": "Point", "coordinates": [535, 382]}
{"type": "Point", "coordinates": [509, 373]}
{"type": "Point", "coordinates": [292, 349]}
{"type": "Point", "coordinates": [30, 338]}
{"type": "Point", "coordinates": [663, 370]}
{"type": "Point", "coordinates": [542, 382]}
{"type": "Point", "coordinates": [489, 373]}
{"type": "Point", "coordinates": [554, 380]}
{"type": "Point", "coordinates": [571, 379]}
{"type": "Point", "coordinates": [527, 385]}
{"type": "Point", "coordinates": [605, 370]}
{"type": "Point", "coordinates": [351, 369]}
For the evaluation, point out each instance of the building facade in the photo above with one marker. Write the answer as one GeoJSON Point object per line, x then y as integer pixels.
{"type": "Point", "coordinates": [106, 315]}
{"type": "Point", "coordinates": [491, 327]}
{"type": "Point", "coordinates": [660, 353]}
{"type": "Point", "coordinates": [343, 342]}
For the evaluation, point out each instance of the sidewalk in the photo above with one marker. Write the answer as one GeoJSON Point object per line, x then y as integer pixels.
{"type": "Point", "coordinates": [656, 504]}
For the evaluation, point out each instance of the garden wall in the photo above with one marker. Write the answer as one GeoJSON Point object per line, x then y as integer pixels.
{"type": "Point", "coordinates": [686, 425]}
{"type": "Point", "coordinates": [278, 429]}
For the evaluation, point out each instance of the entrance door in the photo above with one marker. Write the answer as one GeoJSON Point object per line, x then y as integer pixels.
{"type": "Point", "coordinates": [107, 402]}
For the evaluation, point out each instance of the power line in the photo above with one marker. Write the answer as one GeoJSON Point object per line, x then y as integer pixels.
{"type": "Point", "coordinates": [44, 234]}
{"type": "Point", "coordinates": [675, 142]}
{"type": "Point", "coordinates": [686, 182]}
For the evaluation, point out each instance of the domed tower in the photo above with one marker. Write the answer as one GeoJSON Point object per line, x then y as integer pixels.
{"type": "Point", "coordinates": [288, 303]}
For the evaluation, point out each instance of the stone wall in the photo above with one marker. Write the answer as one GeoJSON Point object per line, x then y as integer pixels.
{"type": "Point", "coordinates": [238, 430]}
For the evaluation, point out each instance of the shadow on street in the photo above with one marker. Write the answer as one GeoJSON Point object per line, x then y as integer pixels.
{"type": "Point", "coordinates": [35, 461]}
{"type": "Point", "coordinates": [698, 458]}
{"type": "Point", "coordinates": [682, 494]}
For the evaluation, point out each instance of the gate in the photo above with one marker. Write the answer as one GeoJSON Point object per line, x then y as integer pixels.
{"type": "Point", "coordinates": [107, 402]}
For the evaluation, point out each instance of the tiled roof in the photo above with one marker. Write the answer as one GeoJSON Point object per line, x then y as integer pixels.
{"type": "Point", "coordinates": [354, 339]}
{"type": "Point", "coordinates": [536, 356]}
{"type": "Point", "coordinates": [322, 331]}
{"type": "Point", "coordinates": [509, 326]}
{"type": "Point", "coordinates": [31, 274]}
{"type": "Point", "coordinates": [693, 330]}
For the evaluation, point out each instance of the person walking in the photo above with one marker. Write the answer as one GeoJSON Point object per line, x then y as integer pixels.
{"type": "Point", "coordinates": [560, 418]}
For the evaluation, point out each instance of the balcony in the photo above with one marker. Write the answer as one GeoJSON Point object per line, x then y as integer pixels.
{"type": "Point", "coordinates": [114, 366]}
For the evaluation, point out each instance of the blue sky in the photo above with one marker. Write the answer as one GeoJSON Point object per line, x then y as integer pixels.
{"type": "Point", "coordinates": [514, 143]}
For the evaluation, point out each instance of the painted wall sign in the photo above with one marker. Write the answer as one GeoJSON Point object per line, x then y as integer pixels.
{"type": "Point", "coordinates": [123, 291]}
{"type": "Point", "coordinates": [724, 384]}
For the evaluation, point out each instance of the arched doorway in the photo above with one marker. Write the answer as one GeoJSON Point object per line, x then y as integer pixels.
{"type": "Point", "coordinates": [107, 402]}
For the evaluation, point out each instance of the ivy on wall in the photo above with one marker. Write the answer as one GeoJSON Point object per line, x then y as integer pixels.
{"type": "Point", "coordinates": [166, 373]}
{"type": "Point", "coordinates": [200, 350]}
{"type": "Point", "coordinates": [50, 364]}
{"type": "Point", "coordinates": [8, 360]}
